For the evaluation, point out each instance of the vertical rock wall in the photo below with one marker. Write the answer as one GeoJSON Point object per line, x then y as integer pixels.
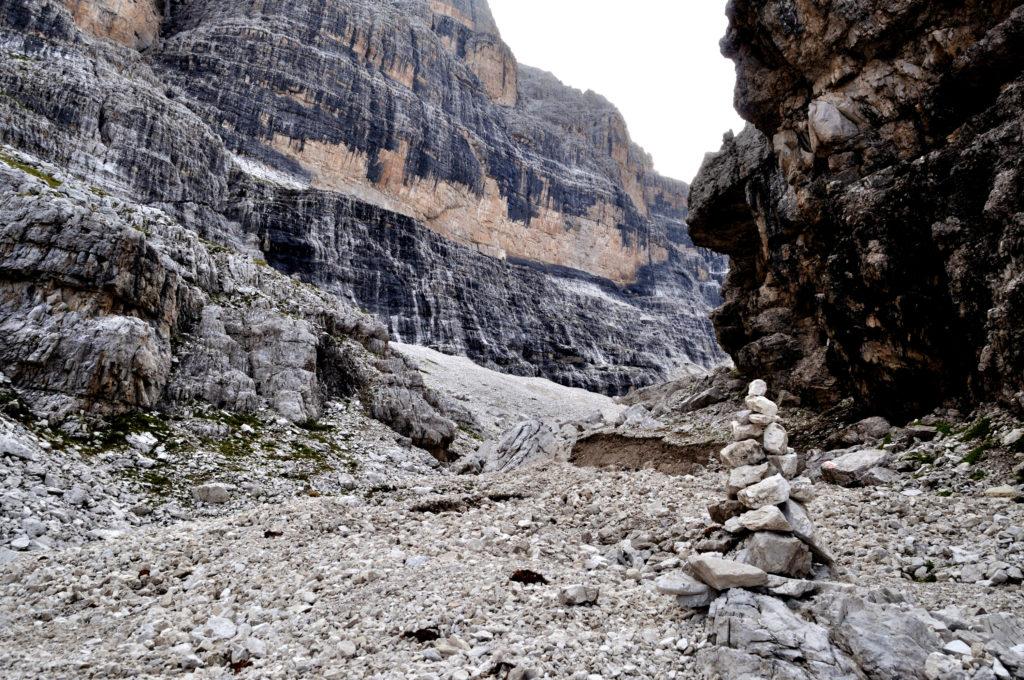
{"type": "Point", "coordinates": [873, 211]}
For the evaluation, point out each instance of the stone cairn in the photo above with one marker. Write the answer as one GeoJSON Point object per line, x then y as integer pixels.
{"type": "Point", "coordinates": [763, 536]}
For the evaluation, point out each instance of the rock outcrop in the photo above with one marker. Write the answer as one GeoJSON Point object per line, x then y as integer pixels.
{"type": "Point", "coordinates": [873, 209]}
{"type": "Point", "coordinates": [393, 153]}
{"type": "Point", "coordinates": [107, 306]}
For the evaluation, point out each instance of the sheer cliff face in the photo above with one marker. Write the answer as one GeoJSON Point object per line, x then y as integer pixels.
{"type": "Point", "coordinates": [874, 216]}
{"type": "Point", "coordinates": [415, 106]}
{"type": "Point", "coordinates": [393, 153]}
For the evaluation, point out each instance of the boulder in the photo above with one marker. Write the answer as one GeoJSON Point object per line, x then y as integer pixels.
{"type": "Point", "coordinates": [722, 574]}
{"type": "Point", "coordinates": [757, 636]}
{"type": "Point", "coordinates": [850, 468]}
{"type": "Point", "coordinates": [215, 493]}
{"type": "Point", "coordinates": [10, 446]}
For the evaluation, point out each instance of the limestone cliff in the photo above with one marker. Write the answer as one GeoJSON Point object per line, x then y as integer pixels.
{"type": "Point", "coordinates": [873, 210]}
{"type": "Point", "coordinates": [420, 108]}
{"type": "Point", "coordinates": [393, 153]}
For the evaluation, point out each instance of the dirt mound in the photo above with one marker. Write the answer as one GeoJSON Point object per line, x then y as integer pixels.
{"type": "Point", "coordinates": [641, 453]}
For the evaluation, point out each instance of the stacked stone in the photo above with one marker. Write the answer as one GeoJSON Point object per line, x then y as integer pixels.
{"type": "Point", "coordinates": [765, 526]}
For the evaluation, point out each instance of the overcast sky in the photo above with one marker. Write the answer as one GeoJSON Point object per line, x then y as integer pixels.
{"type": "Point", "coordinates": [657, 60]}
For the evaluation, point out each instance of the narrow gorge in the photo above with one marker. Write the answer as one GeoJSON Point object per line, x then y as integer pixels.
{"type": "Point", "coordinates": [337, 343]}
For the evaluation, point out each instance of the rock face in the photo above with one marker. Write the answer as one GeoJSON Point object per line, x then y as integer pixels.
{"type": "Point", "coordinates": [873, 209]}
{"type": "Point", "coordinates": [391, 152]}
{"type": "Point", "coordinates": [107, 306]}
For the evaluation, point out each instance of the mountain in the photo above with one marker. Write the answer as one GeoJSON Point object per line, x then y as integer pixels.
{"type": "Point", "coordinates": [391, 153]}
{"type": "Point", "coordinates": [873, 211]}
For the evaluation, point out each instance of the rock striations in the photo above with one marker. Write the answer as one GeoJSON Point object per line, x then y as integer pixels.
{"type": "Point", "coordinates": [873, 211]}
{"type": "Point", "coordinates": [392, 153]}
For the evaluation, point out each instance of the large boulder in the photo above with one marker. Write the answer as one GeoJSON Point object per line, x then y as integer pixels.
{"type": "Point", "coordinates": [850, 469]}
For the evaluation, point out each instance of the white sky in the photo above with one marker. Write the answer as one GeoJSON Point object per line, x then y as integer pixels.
{"type": "Point", "coordinates": [657, 60]}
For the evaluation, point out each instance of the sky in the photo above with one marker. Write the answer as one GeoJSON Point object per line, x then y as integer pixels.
{"type": "Point", "coordinates": [657, 60]}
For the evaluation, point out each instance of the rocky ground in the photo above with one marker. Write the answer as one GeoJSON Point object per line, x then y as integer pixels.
{"type": "Point", "coordinates": [366, 561]}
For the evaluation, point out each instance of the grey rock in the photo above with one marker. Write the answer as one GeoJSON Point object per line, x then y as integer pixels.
{"type": "Point", "coordinates": [803, 528]}
{"type": "Point", "coordinates": [768, 518]}
{"type": "Point", "coordinates": [771, 491]}
{"type": "Point", "coordinates": [755, 636]}
{"type": "Point", "coordinates": [778, 554]}
{"type": "Point", "coordinates": [722, 574]}
{"type": "Point", "coordinates": [215, 493]}
{"type": "Point", "coordinates": [578, 595]}
{"type": "Point", "coordinates": [9, 446]}
{"type": "Point", "coordinates": [788, 465]}
{"type": "Point", "coordinates": [742, 477]}
{"type": "Point", "coordinates": [850, 468]}
{"type": "Point", "coordinates": [802, 489]}
{"type": "Point", "coordinates": [776, 440]}
{"type": "Point", "coordinates": [762, 405]}
{"type": "Point", "coordinates": [680, 583]}
{"type": "Point", "coordinates": [743, 453]}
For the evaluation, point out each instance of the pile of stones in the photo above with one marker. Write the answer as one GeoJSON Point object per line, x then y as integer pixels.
{"type": "Point", "coordinates": [762, 536]}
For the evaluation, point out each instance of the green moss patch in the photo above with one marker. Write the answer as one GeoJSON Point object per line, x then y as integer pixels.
{"type": "Point", "coordinates": [50, 180]}
{"type": "Point", "coordinates": [979, 430]}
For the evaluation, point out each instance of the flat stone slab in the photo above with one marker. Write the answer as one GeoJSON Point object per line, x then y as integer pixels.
{"type": "Point", "coordinates": [722, 574]}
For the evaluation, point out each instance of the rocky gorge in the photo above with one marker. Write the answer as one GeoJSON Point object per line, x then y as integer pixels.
{"type": "Point", "coordinates": [419, 173]}
{"type": "Point", "coordinates": [335, 343]}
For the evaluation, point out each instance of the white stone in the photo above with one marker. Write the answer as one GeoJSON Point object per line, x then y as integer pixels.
{"type": "Point", "coordinates": [757, 388]}
{"type": "Point", "coordinates": [745, 475]}
{"type": "Point", "coordinates": [786, 465]}
{"type": "Point", "coordinates": [220, 628]}
{"type": "Point", "coordinates": [768, 518]}
{"type": "Point", "coordinates": [958, 647]}
{"type": "Point", "coordinates": [143, 442]}
{"type": "Point", "coordinates": [12, 447]}
{"type": "Point", "coordinates": [741, 431]}
{"type": "Point", "coordinates": [802, 489]}
{"type": "Point", "coordinates": [762, 405]}
{"type": "Point", "coordinates": [578, 595]}
{"type": "Point", "coordinates": [776, 440]}
{"type": "Point", "coordinates": [679, 583]}
{"type": "Point", "coordinates": [1013, 436]}
{"type": "Point", "coordinates": [216, 493]}
{"type": "Point", "coordinates": [771, 491]}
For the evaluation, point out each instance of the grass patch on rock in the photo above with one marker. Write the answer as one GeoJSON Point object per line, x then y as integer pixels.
{"type": "Point", "coordinates": [50, 180]}
{"type": "Point", "coordinates": [980, 429]}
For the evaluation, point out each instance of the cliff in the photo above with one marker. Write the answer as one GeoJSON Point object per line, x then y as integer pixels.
{"type": "Point", "coordinates": [393, 154]}
{"type": "Point", "coordinates": [420, 108]}
{"type": "Point", "coordinates": [873, 209]}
